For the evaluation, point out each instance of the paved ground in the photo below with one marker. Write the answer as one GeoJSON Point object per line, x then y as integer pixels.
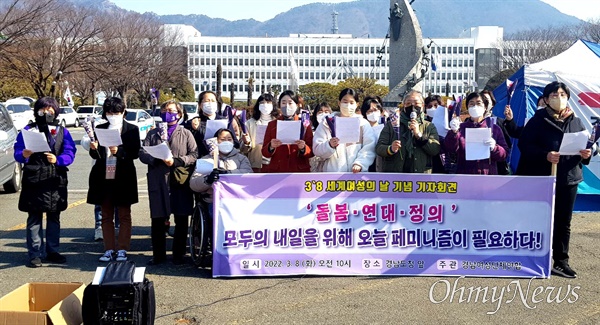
{"type": "Point", "coordinates": [186, 295]}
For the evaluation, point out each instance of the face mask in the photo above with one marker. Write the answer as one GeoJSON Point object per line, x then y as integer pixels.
{"type": "Point", "coordinates": [321, 117]}
{"type": "Point", "coordinates": [209, 108]}
{"type": "Point", "coordinates": [373, 116]}
{"type": "Point", "coordinates": [289, 110]}
{"type": "Point", "coordinates": [168, 117]}
{"type": "Point", "coordinates": [115, 120]}
{"type": "Point", "coordinates": [476, 111]}
{"type": "Point", "coordinates": [44, 118]}
{"type": "Point", "coordinates": [411, 108]}
{"type": "Point", "coordinates": [558, 104]}
{"type": "Point", "coordinates": [347, 109]}
{"type": "Point", "coordinates": [225, 147]}
{"type": "Point", "coordinates": [265, 109]}
{"type": "Point", "coordinates": [431, 112]}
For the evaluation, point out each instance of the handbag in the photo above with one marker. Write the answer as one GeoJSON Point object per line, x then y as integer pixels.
{"type": "Point", "coordinates": [181, 175]}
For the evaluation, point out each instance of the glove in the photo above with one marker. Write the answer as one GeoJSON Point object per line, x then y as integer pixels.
{"type": "Point", "coordinates": [178, 162]}
{"type": "Point", "coordinates": [212, 177]}
{"type": "Point", "coordinates": [490, 143]}
{"type": "Point", "coordinates": [455, 124]}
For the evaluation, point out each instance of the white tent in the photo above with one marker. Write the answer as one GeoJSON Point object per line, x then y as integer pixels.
{"type": "Point", "coordinates": [579, 68]}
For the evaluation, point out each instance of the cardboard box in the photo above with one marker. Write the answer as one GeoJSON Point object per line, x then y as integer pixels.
{"type": "Point", "coordinates": [43, 303]}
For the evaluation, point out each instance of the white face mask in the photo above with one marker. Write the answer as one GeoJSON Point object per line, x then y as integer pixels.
{"type": "Point", "coordinates": [374, 116]}
{"type": "Point", "coordinates": [476, 111]}
{"type": "Point", "coordinates": [209, 108]}
{"type": "Point", "coordinates": [321, 117]}
{"type": "Point", "coordinates": [347, 109]}
{"type": "Point", "coordinates": [265, 109]}
{"type": "Point", "coordinates": [115, 120]}
{"type": "Point", "coordinates": [431, 112]}
{"type": "Point", "coordinates": [289, 110]}
{"type": "Point", "coordinates": [225, 147]}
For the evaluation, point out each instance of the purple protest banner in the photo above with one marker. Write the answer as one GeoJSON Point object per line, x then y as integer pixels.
{"type": "Point", "coordinates": [382, 224]}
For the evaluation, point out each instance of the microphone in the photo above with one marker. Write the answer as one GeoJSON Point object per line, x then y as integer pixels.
{"type": "Point", "coordinates": [413, 117]}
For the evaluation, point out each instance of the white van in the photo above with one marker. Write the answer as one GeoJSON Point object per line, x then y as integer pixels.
{"type": "Point", "coordinates": [191, 108]}
{"type": "Point", "coordinates": [86, 111]}
{"type": "Point", "coordinates": [20, 111]}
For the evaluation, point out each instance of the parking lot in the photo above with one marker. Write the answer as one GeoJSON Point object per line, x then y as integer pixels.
{"type": "Point", "coordinates": [187, 295]}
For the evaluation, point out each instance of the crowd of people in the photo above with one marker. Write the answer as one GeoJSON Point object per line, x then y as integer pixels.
{"type": "Point", "coordinates": [399, 140]}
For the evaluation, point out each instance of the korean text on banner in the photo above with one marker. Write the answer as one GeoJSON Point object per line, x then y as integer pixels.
{"type": "Point", "coordinates": [382, 224]}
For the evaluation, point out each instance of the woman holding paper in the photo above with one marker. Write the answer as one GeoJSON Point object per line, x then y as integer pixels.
{"type": "Point", "coordinates": [225, 160]}
{"type": "Point", "coordinates": [408, 143]}
{"type": "Point", "coordinates": [292, 153]}
{"type": "Point", "coordinates": [493, 141]}
{"type": "Point", "coordinates": [113, 178]}
{"type": "Point", "coordinates": [263, 113]}
{"type": "Point", "coordinates": [539, 144]}
{"type": "Point", "coordinates": [210, 105]}
{"type": "Point", "coordinates": [44, 185]}
{"type": "Point", "coordinates": [340, 156]}
{"type": "Point", "coordinates": [168, 181]}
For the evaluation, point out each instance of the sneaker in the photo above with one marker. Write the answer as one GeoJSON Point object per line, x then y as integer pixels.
{"type": "Point", "coordinates": [55, 257]}
{"type": "Point", "coordinates": [35, 262]}
{"type": "Point", "coordinates": [98, 234]}
{"type": "Point", "coordinates": [564, 270]}
{"type": "Point", "coordinates": [108, 256]}
{"type": "Point", "coordinates": [121, 255]}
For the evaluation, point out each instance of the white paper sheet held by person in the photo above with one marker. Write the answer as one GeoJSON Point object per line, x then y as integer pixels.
{"type": "Point", "coordinates": [160, 151]}
{"type": "Point", "coordinates": [260, 134]}
{"type": "Point", "coordinates": [109, 137]}
{"type": "Point", "coordinates": [288, 132]}
{"type": "Point", "coordinates": [475, 148]}
{"type": "Point", "coordinates": [440, 120]}
{"type": "Point", "coordinates": [212, 126]}
{"type": "Point", "coordinates": [572, 143]}
{"type": "Point", "coordinates": [347, 129]}
{"type": "Point", "coordinates": [35, 141]}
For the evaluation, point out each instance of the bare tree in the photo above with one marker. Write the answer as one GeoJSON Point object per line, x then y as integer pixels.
{"type": "Point", "coordinates": [534, 45]}
{"type": "Point", "coordinates": [590, 30]}
{"type": "Point", "coordinates": [56, 45]}
{"type": "Point", "coordinates": [19, 18]}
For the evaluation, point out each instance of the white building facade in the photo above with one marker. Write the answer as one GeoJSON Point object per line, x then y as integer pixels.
{"type": "Point", "coordinates": [306, 58]}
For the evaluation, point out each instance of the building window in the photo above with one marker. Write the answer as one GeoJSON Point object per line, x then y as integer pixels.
{"type": "Point", "coordinates": [201, 61]}
{"type": "Point", "coordinates": [278, 62]}
{"type": "Point", "coordinates": [279, 49]}
{"type": "Point", "coordinates": [246, 48]}
{"type": "Point", "coordinates": [328, 49]}
{"type": "Point", "coordinates": [444, 50]}
{"type": "Point", "coordinates": [454, 50]}
{"type": "Point", "coordinates": [268, 74]}
{"type": "Point", "coordinates": [470, 63]}
{"type": "Point", "coordinates": [262, 62]}
{"type": "Point", "coordinates": [296, 49]}
{"type": "Point", "coordinates": [471, 50]}
{"type": "Point", "coordinates": [318, 49]}
{"type": "Point", "coordinates": [301, 49]}
{"type": "Point", "coordinates": [460, 50]}
{"type": "Point", "coordinates": [443, 63]}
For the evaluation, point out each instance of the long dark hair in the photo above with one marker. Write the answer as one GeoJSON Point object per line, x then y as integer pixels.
{"type": "Point", "coordinates": [268, 98]}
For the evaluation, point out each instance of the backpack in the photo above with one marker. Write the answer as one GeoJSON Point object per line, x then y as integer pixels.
{"type": "Point", "coordinates": [117, 299]}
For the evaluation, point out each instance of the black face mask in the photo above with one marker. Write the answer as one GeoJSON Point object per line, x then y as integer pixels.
{"type": "Point", "coordinates": [411, 108]}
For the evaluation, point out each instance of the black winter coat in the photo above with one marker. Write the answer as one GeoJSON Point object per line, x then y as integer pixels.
{"type": "Point", "coordinates": [121, 191]}
{"type": "Point", "coordinates": [44, 185]}
{"type": "Point", "coordinates": [543, 134]}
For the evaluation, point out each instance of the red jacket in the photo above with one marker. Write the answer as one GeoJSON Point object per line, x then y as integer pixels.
{"type": "Point", "coordinates": [287, 158]}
